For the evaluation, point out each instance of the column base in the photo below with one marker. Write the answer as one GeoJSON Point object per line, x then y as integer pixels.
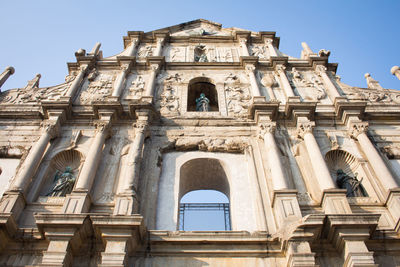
{"type": "Point", "coordinates": [286, 207]}
{"type": "Point", "coordinates": [299, 255]}
{"type": "Point", "coordinates": [393, 205]}
{"type": "Point", "coordinates": [126, 204]}
{"type": "Point", "coordinates": [334, 201]}
{"type": "Point", "coordinates": [360, 259]}
{"type": "Point", "coordinates": [76, 202]}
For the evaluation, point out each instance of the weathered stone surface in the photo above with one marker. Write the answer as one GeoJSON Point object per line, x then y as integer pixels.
{"type": "Point", "coordinates": [126, 126]}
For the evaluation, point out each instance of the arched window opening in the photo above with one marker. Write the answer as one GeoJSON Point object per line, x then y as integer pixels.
{"type": "Point", "coordinates": [197, 87]}
{"type": "Point", "coordinates": [203, 196]}
{"type": "Point", "coordinates": [204, 210]}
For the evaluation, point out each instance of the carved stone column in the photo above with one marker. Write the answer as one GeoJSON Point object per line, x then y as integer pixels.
{"type": "Point", "coordinates": [78, 200]}
{"type": "Point", "coordinates": [49, 130]}
{"type": "Point", "coordinates": [77, 81]}
{"type": "Point", "coordinates": [358, 130]}
{"type": "Point", "coordinates": [333, 200]}
{"type": "Point", "coordinates": [6, 73]}
{"type": "Point", "coordinates": [305, 131]}
{"type": "Point", "coordinates": [255, 90]}
{"type": "Point", "coordinates": [332, 91]}
{"type": "Point", "coordinates": [271, 48]}
{"type": "Point", "coordinates": [126, 200]}
{"type": "Point", "coordinates": [243, 45]}
{"type": "Point", "coordinates": [159, 47]}
{"type": "Point", "coordinates": [154, 68]}
{"type": "Point", "coordinates": [131, 50]}
{"type": "Point", "coordinates": [274, 161]}
{"type": "Point", "coordinates": [281, 73]}
{"type": "Point", "coordinates": [120, 81]}
{"type": "Point", "coordinates": [299, 254]}
{"type": "Point", "coordinates": [285, 203]}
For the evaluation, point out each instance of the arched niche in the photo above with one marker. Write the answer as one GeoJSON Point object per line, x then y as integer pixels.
{"type": "Point", "coordinates": [69, 158]}
{"type": "Point", "coordinates": [202, 85]}
{"type": "Point", "coordinates": [343, 160]}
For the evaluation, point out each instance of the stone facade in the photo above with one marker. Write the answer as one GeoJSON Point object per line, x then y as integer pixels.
{"type": "Point", "coordinates": [93, 169]}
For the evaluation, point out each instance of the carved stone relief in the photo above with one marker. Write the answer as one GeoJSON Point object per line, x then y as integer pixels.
{"type": "Point", "coordinates": [168, 100]}
{"type": "Point", "coordinates": [33, 95]}
{"type": "Point", "coordinates": [177, 54]}
{"type": "Point", "coordinates": [237, 96]}
{"type": "Point", "coordinates": [145, 51]}
{"type": "Point", "coordinates": [260, 51]}
{"type": "Point", "coordinates": [137, 87]}
{"type": "Point", "coordinates": [234, 145]}
{"type": "Point", "coordinates": [100, 86]}
{"type": "Point", "coordinates": [307, 84]}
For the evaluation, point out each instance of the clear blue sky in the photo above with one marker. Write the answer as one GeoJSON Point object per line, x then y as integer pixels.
{"type": "Point", "coordinates": [41, 36]}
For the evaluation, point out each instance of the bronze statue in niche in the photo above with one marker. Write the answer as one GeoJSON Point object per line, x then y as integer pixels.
{"type": "Point", "coordinates": [63, 183]}
{"type": "Point", "coordinates": [351, 184]}
{"type": "Point", "coordinates": [202, 103]}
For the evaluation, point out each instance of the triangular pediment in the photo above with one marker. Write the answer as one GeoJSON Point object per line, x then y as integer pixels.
{"type": "Point", "coordinates": [199, 27]}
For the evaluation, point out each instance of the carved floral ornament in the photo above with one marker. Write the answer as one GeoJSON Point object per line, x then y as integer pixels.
{"type": "Point", "coordinates": [304, 127]}
{"type": "Point", "coordinates": [357, 128]}
{"type": "Point", "coordinates": [102, 126]}
{"type": "Point", "coordinates": [266, 127]}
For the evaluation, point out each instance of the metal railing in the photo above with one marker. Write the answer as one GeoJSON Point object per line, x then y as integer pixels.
{"type": "Point", "coordinates": [201, 207]}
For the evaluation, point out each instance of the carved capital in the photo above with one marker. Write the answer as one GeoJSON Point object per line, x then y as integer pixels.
{"type": "Point", "coordinates": [243, 41]}
{"type": "Point", "coordinates": [102, 126]}
{"type": "Point", "coordinates": [154, 67]}
{"type": "Point", "coordinates": [125, 68]}
{"type": "Point", "coordinates": [141, 126]}
{"type": "Point", "coordinates": [50, 127]}
{"type": "Point", "coordinates": [266, 127]}
{"type": "Point", "coordinates": [280, 68]}
{"type": "Point", "coordinates": [304, 128]}
{"type": "Point", "coordinates": [357, 128]}
{"type": "Point", "coordinates": [84, 68]}
{"type": "Point", "coordinates": [320, 69]}
{"type": "Point", "coordinates": [250, 68]}
{"type": "Point", "coordinates": [268, 41]}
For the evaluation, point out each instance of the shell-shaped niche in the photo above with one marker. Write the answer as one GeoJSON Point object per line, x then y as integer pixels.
{"type": "Point", "coordinates": [339, 159]}
{"type": "Point", "coordinates": [70, 158]}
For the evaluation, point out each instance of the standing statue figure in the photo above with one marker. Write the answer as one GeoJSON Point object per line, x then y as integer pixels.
{"type": "Point", "coordinates": [63, 183]}
{"type": "Point", "coordinates": [202, 103]}
{"type": "Point", "coordinates": [351, 184]}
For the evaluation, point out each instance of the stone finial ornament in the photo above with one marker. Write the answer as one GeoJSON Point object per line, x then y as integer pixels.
{"type": "Point", "coordinates": [34, 83]}
{"type": "Point", "coordinates": [6, 73]}
{"type": "Point", "coordinates": [371, 83]}
{"type": "Point", "coordinates": [395, 70]}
